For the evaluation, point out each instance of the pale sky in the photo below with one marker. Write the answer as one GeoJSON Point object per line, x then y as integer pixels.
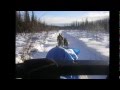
{"type": "Point", "coordinates": [65, 17]}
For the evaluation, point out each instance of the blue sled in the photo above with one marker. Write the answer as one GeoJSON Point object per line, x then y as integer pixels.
{"type": "Point", "coordinates": [77, 51]}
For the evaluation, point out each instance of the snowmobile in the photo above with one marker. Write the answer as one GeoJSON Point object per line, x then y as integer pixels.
{"type": "Point", "coordinates": [60, 63]}
{"type": "Point", "coordinates": [49, 69]}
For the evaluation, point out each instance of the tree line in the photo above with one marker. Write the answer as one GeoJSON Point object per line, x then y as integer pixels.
{"type": "Point", "coordinates": [102, 24]}
{"type": "Point", "coordinates": [25, 23]}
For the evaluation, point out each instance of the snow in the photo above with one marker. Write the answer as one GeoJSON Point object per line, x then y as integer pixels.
{"type": "Point", "coordinates": [40, 45]}
{"type": "Point", "coordinates": [72, 53]}
{"type": "Point", "coordinates": [92, 46]}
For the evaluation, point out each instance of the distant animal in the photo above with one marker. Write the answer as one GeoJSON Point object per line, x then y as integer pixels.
{"type": "Point", "coordinates": [60, 40]}
{"type": "Point", "coordinates": [65, 43]}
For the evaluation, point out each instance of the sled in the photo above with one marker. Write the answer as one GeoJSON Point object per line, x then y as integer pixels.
{"type": "Point", "coordinates": [76, 50]}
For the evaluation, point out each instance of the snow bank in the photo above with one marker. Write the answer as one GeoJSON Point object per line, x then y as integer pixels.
{"type": "Point", "coordinates": [98, 41]}
{"type": "Point", "coordinates": [43, 42]}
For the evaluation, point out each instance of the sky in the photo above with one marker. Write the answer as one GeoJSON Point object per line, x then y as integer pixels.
{"type": "Point", "coordinates": [66, 17]}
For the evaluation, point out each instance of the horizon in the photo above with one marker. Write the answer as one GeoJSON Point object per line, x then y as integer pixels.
{"type": "Point", "coordinates": [60, 18]}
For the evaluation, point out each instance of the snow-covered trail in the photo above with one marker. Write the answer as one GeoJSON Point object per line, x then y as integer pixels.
{"type": "Point", "coordinates": [40, 50]}
{"type": "Point", "coordinates": [86, 53]}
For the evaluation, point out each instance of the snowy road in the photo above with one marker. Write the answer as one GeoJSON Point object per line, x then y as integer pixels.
{"type": "Point", "coordinates": [41, 49]}
{"type": "Point", "coordinates": [86, 53]}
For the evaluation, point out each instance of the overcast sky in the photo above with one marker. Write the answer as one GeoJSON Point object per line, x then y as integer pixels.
{"type": "Point", "coordinates": [64, 17]}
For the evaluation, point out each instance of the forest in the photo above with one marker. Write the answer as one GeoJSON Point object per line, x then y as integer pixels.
{"type": "Point", "coordinates": [25, 23]}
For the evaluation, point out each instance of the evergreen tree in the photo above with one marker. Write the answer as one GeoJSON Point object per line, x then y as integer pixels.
{"type": "Point", "coordinates": [26, 22]}
{"type": "Point", "coordinates": [32, 18]}
{"type": "Point", "coordinates": [19, 23]}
